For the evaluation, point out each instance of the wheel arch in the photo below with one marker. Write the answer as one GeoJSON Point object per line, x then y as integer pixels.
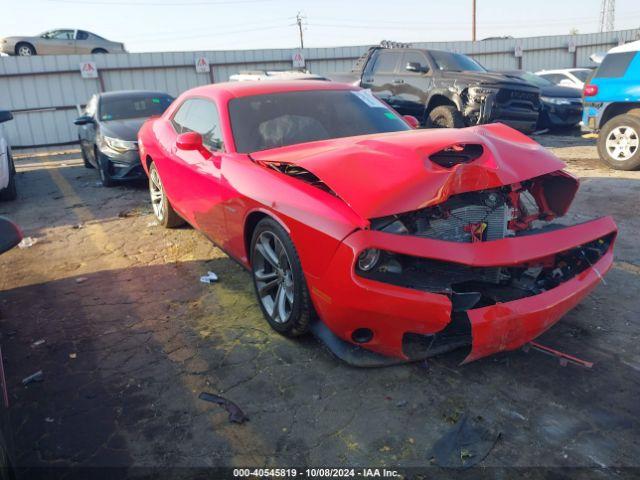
{"type": "Point", "coordinates": [438, 100]}
{"type": "Point", "coordinates": [619, 108]}
{"type": "Point", "coordinates": [250, 223]}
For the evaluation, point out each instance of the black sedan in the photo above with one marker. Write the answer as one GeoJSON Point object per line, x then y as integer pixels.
{"type": "Point", "coordinates": [108, 131]}
{"type": "Point", "coordinates": [560, 107]}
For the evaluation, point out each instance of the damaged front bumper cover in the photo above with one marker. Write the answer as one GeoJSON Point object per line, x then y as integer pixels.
{"type": "Point", "coordinates": [413, 323]}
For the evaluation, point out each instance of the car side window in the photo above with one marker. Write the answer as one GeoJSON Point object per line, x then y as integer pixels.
{"type": "Point", "coordinates": [82, 35]}
{"type": "Point", "coordinates": [62, 35]}
{"type": "Point", "coordinates": [386, 62]}
{"type": "Point", "coordinates": [414, 58]}
{"type": "Point", "coordinates": [201, 116]}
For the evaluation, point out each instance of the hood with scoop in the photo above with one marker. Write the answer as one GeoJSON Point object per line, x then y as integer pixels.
{"type": "Point", "coordinates": [399, 172]}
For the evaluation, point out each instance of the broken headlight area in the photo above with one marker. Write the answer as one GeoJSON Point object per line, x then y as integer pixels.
{"type": "Point", "coordinates": [487, 215]}
{"type": "Point", "coordinates": [474, 287]}
{"type": "Point", "coordinates": [480, 94]}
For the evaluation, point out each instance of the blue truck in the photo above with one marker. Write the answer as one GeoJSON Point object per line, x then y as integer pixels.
{"type": "Point", "coordinates": [612, 107]}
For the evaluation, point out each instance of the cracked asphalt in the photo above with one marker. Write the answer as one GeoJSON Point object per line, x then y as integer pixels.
{"type": "Point", "coordinates": [131, 337]}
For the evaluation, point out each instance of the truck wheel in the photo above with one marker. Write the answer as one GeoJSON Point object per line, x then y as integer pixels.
{"type": "Point", "coordinates": [619, 142]}
{"type": "Point", "coordinates": [445, 116]}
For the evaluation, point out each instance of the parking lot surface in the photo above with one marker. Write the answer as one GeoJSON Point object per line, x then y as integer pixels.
{"type": "Point", "coordinates": [131, 338]}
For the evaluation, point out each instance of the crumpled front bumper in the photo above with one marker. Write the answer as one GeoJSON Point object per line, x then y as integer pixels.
{"type": "Point", "coordinates": [347, 302]}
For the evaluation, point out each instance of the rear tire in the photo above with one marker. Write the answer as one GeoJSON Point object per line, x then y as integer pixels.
{"type": "Point", "coordinates": [11, 191]}
{"type": "Point", "coordinates": [278, 280]}
{"type": "Point", "coordinates": [162, 209]}
{"type": "Point", "coordinates": [619, 142]}
{"type": "Point", "coordinates": [445, 116]}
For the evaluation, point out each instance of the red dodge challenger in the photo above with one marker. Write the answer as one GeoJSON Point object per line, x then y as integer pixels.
{"type": "Point", "coordinates": [387, 242]}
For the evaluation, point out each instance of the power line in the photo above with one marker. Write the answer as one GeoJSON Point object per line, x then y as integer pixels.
{"type": "Point", "coordinates": [158, 4]}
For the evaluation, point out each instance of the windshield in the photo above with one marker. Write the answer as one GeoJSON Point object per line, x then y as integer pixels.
{"type": "Point", "coordinates": [276, 120]}
{"type": "Point", "coordinates": [455, 62]}
{"type": "Point", "coordinates": [582, 75]}
{"type": "Point", "coordinates": [134, 106]}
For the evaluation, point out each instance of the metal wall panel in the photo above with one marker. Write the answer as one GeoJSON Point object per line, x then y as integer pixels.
{"type": "Point", "coordinates": [33, 86]}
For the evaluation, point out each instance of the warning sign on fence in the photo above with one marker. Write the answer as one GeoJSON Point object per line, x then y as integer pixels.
{"type": "Point", "coordinates": [202, 65]}
{"type": "Point", "coordinates": [298, 60]}
{"type": "Point", "coordinates": [88, 70]}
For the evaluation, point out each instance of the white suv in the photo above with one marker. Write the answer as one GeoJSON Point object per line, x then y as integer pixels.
{"type": "Point", "coordinates": [7, 168]}
{"type": "Point", "coordinates": [567, 77]}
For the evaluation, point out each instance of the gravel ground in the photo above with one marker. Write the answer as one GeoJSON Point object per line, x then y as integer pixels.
{"type": "Point", "coordinates": [131, 337]}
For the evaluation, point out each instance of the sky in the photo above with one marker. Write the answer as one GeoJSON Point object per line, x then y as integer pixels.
{"type": "Point", "coordinates": [185, 25]}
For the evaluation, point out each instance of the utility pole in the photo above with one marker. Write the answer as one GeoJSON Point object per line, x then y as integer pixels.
{"type": "Point", "coordinates": [473, 21]}
{"type": "Point", "coordinates": [299, 19]}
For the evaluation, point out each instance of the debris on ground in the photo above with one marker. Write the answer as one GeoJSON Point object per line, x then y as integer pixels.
{"type": "Point", "coordinates": [126, 213]}
{"type": "Point", "coordinates": [152, 224]}
{"type": "Point", "coordinates": [78, 226]}
{"type": "Point", "coordinates": [401, 403]}
{"type": "Point", "coordinates": [81, 279]}
{"type": "Point", "coordinates": [540, 132]}
{"type": "Point", "coordinates": [236, 415]}
{"type": "Point", "coordinates": [563, 358]}
{"type": "Point", "coordinates": [466, 444]}
{"type": "Point", "coordinates": [210, 277]}
{"type": "Point", "coordinates": [27, 242]}
{"type": "Point", "coordinates": [34, 377]}
{"type": "Point", "coordinates": [49, 420]}
{"type": "Point", "coordinates": [73, 355]}
{"type": "Point", "coordinates": [37, 343]}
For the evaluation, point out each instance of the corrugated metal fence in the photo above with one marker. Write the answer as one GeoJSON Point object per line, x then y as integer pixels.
{"type": "Point", "coordinates": [44, 91]}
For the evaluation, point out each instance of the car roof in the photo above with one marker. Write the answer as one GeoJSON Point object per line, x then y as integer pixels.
{"type": "Point", "coordinates": [627, 47]}
{"type": "Point", "coordinates": [251, 88]}
{"type": "Point", "coordinates": [130, 93]}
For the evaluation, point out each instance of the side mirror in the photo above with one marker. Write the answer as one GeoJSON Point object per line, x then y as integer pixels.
{"type": "Point", "coordinates": [415, 67]}
{"type": "Point", "coordinates": [411, 121]}
{"type": "Point", "coordinates": [10, 234]}
{"type": "Point", "coordinates": [84, 120]}
{"type": "Point", "coordinates": [5, 116]}
{"type": "Point", "coordinates": [189, 141]}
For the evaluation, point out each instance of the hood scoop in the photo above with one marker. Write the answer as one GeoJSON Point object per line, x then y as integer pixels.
{"type": "Point", "coordinates": [456, 154]}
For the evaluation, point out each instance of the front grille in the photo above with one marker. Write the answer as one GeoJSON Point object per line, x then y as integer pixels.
{"type": "Point", "coordinates": [510, 96]}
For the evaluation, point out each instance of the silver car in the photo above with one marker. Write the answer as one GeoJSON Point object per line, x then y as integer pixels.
{"type": "Point", "coordinates": [59, 42]}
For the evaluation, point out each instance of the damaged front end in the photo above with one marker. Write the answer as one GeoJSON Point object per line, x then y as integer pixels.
{"type": "Point", "coordinates": [516, 107]}
{"type": "Point", "coordinates": [494, 266]}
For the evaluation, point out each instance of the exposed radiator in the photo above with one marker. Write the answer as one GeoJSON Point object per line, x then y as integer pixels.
{"type": "Point", "coordinates": [453, 228]}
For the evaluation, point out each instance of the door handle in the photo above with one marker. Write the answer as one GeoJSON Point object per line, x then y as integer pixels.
{"type": "Point", "coordinates": [367, 80]}
{"type": "Point", "coordinates": [398, 81]}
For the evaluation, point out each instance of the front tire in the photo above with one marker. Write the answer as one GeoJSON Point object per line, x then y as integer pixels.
{"type": "Point", "coordinates": [25, 50]}
{"type": "Point", "coordinates": [103, 169]}
{"type": "Point", "coordinates": [278, 280]}
{"type": "Point", "coordinates": [619, 142]}
{"type": "Point", "coordinates": [445, 116]}
{"type": "Point", "coordinates": [99, 50]}
{"type": "Point", "coordinates": [10, 192]}
{"type": "Point", "coordinates": [85, 159]}
{"type": "Point", "coordinates": [162, 209]}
